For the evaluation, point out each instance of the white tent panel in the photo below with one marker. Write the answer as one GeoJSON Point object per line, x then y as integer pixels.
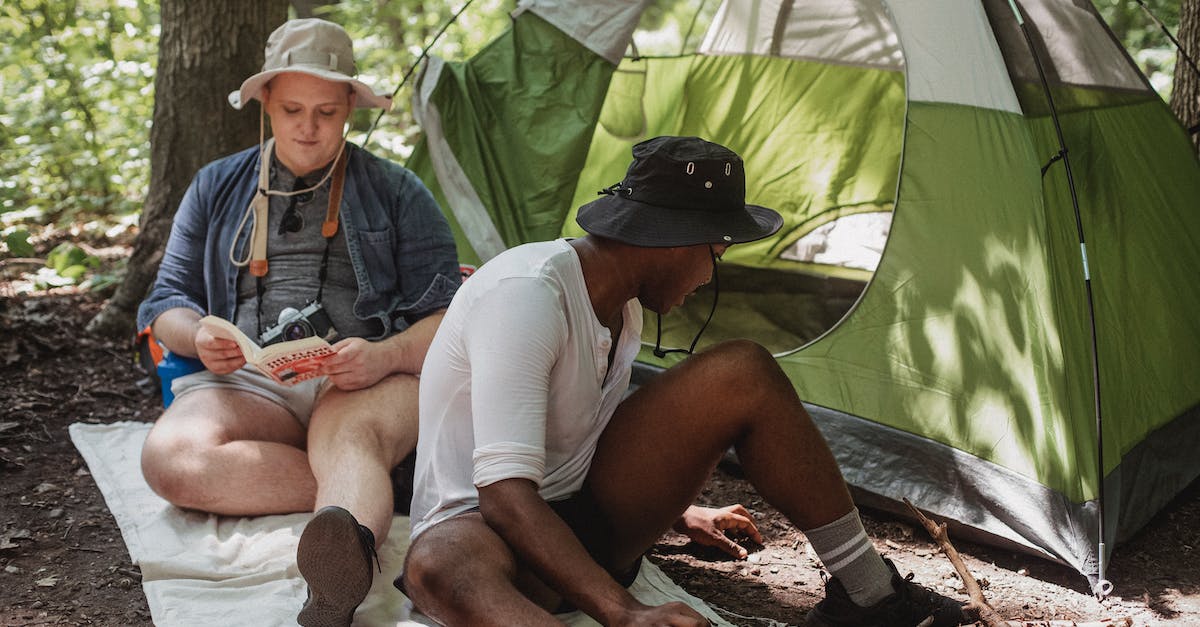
{"type": "Point", "coordinates": [951, 55]}
{"type": "Point", "coordinates": [835, 31]}
{"type": "Point", "coordinates": [1079, 46]}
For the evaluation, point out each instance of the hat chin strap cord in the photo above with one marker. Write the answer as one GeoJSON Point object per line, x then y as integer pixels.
{"type": "Point", "coordinates": [661, 352]}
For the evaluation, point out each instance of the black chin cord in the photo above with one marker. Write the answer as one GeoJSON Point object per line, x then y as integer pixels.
{"type": "Point", "coordinates": [661, 352]}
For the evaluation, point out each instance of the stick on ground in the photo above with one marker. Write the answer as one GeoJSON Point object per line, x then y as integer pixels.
{"type": "Point", "coordinates": [987, 614]}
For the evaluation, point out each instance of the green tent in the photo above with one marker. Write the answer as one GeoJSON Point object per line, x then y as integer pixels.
{"type": "Point", "coordinates": [930, 293]}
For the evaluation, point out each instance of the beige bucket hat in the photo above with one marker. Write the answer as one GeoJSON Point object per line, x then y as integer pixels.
{"type": "Point", "coordinates": [310, 46]}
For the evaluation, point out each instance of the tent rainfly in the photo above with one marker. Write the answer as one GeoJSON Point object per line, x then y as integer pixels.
{"type": "Point", "coordinates": [1006, 338]}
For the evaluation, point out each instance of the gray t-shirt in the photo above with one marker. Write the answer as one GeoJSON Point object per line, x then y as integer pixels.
{"type": "Point", "coordinates": [294, 264]}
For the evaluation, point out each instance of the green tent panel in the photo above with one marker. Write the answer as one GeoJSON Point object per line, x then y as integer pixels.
{"type": "Point", "coordinates": [954, 366]}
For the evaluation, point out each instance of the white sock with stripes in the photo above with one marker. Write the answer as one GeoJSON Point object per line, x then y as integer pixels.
{"type": "Point", "coordinates": [848, 554]}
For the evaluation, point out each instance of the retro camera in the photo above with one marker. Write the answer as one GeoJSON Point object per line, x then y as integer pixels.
{"type": "Point", "coordinates": [296, 324]}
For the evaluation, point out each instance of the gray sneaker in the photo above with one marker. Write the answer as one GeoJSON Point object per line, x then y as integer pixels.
{"type": "Point", "coordinates": [335, 557]}
{"type": "Point", "coordinates": [912, 605]}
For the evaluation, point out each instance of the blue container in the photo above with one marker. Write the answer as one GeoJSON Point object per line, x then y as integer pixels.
{"type": "Point", "coordinates": [172, 367]}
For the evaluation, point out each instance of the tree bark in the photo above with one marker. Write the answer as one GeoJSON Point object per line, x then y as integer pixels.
{"type": "Point", "coordinates": [205, 50]}
{"type": "Point", "coordinates": [1185, 95]}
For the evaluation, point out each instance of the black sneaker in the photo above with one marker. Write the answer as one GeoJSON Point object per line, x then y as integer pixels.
{"type": "Point", "coordinates": [912, 605]}
{"type": "Point", "coordinates": [335, 557]}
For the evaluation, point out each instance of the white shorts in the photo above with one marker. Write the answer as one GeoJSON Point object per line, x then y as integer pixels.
{"type": "Point", "coordinates": [297, 399]}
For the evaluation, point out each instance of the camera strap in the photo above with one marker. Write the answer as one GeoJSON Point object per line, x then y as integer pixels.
{"type": "Point", "coordinates": [329, 228]}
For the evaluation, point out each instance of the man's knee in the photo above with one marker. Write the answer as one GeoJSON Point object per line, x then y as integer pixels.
{"type": "Point", "coordinates": [741, 350]}
{"type": "Point", "coordinates": [741, 361]}
{"type": "Point", "coordinates": [176, 454]}
{"type": "Point", "coordinates": [455, 564]}
{"type": "Point", "coordinates": [437, 576]}
{"type": "Point", "coordinates": [423, 575]}
{"type": "Point", "coordinates": [384, 414]}
{"type": "Point", "coordinates": [170, 463]}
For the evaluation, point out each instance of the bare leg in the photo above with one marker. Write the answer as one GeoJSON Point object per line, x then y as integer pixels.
{"type": "Point", "coordinates": [459, 572]}
{"type": "Point", "coordinates": [231, 453]}
{"type": "Point", "coordinates": [666, 438]}
{"type": "Point", "coordinates": [355, 439]}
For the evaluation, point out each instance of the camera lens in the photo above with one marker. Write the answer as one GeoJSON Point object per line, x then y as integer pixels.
{"type": "Point", "coordinates": [296, 330]}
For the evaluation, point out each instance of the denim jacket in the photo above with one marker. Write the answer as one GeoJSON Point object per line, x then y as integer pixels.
{"type": "Point", "coordinates": [400, 244]}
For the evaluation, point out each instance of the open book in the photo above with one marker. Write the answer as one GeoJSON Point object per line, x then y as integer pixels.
{"type": "Point", "coordinates": [287, 362]}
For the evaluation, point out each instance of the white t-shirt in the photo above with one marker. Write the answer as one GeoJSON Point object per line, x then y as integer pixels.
{"type": "Point", "coordinates": [516, 383]}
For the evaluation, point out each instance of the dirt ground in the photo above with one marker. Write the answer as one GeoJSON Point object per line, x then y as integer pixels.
{"type": "Point", "coordinates": [63, 562]}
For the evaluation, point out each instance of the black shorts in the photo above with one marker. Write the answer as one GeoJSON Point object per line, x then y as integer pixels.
{"type": "Point", "coordinates": [589, 524]}
{"type": "Point", "coordinates": [584, 516]}
{"type": "Point", "coordinates": [581, 513]}
{"type": "Point", "coordinates": [402, 484]}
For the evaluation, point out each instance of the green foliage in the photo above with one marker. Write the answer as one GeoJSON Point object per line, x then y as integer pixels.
{"type": "Point", "coordinates": [673, 27]}
{"type": "Point", "coordinates": [18, 243]}
{"type": "Point", "coordinates": [68, 259]}
{"type": "Point", "coordinates": [1143, 38]}
{"type": "Point", "coordinates": [67, 264]}
{"type": "Point", "coordinates": [104, 281]}
{"type": "Point", "coordinates": [388, 40]}
{"type": "Point", "coordinates": [76, 106]}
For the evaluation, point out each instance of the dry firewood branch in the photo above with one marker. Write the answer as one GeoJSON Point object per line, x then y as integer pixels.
{"type": "Point", "coordinates": [987, 614]}
{"type": "Point", "coordinates": [978, 604]}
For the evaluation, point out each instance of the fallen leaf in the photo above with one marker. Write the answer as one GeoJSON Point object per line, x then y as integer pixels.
{"type": "Point", "coordinates": [6, 538]}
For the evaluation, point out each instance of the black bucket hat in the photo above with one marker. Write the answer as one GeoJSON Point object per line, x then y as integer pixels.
{"type": "Point", "coordinates": [679, 191]}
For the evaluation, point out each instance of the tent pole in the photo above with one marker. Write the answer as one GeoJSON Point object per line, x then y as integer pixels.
{"type": "Point", "coordinates": [1183, 53]}
{"type": "Point", "coordinates": [1102, 587]}
{"type": "Point", "coordinates": [1166, 31]}
{"type": "Point", "coordinates": [415, 63]}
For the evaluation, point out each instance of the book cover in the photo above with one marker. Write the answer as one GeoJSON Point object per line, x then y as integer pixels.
{"type": "Point", "coordinates": [286, 362]}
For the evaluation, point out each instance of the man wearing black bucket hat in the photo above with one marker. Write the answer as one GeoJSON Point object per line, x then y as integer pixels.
{"type": "Point", "coordinates": [540, 483]}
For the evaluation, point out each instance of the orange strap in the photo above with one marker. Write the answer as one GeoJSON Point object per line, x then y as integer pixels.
{"type": "Point", "coordinates": [329, 227]}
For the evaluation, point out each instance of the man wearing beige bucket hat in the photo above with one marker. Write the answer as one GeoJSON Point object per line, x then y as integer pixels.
{"type": "Point", "coordinates": [304, 234]}
{"type": "Point", "coordinates": [540, 485]}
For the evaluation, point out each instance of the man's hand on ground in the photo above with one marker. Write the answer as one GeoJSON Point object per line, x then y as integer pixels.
{"type": "Point", "coordinates": [713, 527]}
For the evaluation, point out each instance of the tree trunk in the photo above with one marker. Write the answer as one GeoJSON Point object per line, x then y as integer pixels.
{"type": "Point", "coordinates": [1185, 95]}
{"type": "Point", "coordinates": [206, 49]}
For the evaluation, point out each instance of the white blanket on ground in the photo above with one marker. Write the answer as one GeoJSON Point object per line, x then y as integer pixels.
{"type": "Point", "coordinates": [201, 569]}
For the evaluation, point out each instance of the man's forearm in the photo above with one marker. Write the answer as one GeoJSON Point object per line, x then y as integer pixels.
{"type": "Point", "coordinates": [407, 349]}
{"type": "Point", "coordinates": [541, 539]}
{"type": "Point", "coordinates": [176, 329]}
